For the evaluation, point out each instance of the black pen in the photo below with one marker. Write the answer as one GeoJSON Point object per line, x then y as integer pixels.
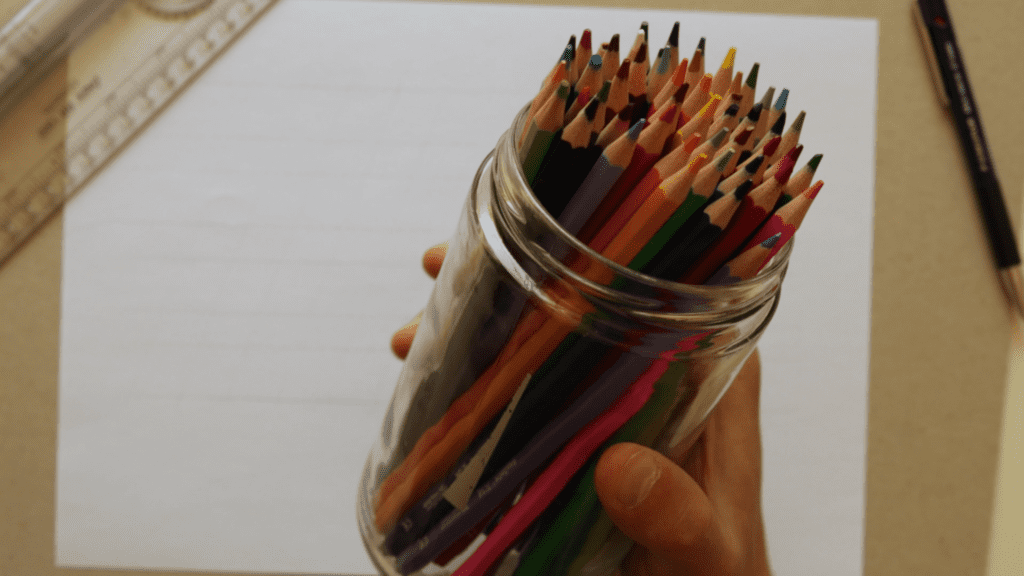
{"type": "Point", "coordinates": [950, 77]}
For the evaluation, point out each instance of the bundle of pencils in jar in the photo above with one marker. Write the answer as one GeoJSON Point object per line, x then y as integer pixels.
{"type": "Point", "coordinates": [619, 255]}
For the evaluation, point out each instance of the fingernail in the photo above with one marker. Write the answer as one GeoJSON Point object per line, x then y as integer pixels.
{"type": "Point", "coordinates": [640, 472]}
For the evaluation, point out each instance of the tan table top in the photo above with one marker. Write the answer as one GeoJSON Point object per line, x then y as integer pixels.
{"type": "Point", "coordinates": [940, 329]}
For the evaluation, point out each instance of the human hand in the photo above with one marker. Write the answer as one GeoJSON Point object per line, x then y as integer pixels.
{"type": "Point", "coordinates": [698, 517]}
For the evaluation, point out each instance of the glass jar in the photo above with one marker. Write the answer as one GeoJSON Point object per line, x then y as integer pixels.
{"type": "Point", "coordinates": [528, 336]}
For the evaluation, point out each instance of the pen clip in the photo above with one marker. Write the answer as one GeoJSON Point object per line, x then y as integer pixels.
{"type": "Point", "coordinates": [930, 56]}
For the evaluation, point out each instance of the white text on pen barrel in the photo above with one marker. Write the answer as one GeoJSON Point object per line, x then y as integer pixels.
{"type": "Point", "coordinates": [972, 124]}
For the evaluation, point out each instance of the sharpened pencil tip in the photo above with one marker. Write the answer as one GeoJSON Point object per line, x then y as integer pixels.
{"type": "Point", "coordinates": [623, 71]}
{"type": "Point", "coordinates": [669, 114]}
{"type": "Point", "coordinates": [766, 100]}
{"type": "Point", "coordinates": [755, 112]}
{"type": "Point", "coordinates": [754, 164]}
{"type": "Point", "coordinates": [595, 62]}
{"type": "Point", "coordinates": [730, 58]}
{"type": "Point", "coordinates": [613, 44]}
{"type": "Point", "coordinates": [585, 40]}
{"type": "Point", "coordinates": [752, 77]}
{"type": "Point", "coordinates": [742, 190]}
{"type": "Point", "coordinates": [673, 36]}
{"type": "Point", "coordinates": [634, 130]}
{"type": "Point", "coordinates": [742, 137]}
{"type": "Point", "coordinates": [812, 192]}
{"type": "Point", "coordinates": [591, 109]}
{"type": "Point", "coordinates": [746, 154]}
{"type": "Point", "coordinates": [815, 160]}
{"type": "Point", "coordinates": [798, 123]}
{"type": "Point", "coordinates": [732, 110]}
{"type": "Point", "coordinates": [641, 54]}
{"type": "Point", "coordinates": [785, 169]}
{"type": "Point", "coordinates": [783, 97]}
{"type": "Point", "coordinates": [724, 160]}
{"type": "Point", "coordinates": [772, 146]}
{"type": "Point", "coordinates": [606, 89]}
{"type": "Point", "coordinates": [700, 45]}
{"type": "Point", "coordinates": [795, 152]}
{"type": "Point", "coordinates": [680, 93]}
{"type": "Point", "coordinates": [563, 90]}
{"type": "Point", "coordinates": [771, 242]}
{"type": "Point", "coordinates": [646, 28]}
{"type": "Point", "coordinates": [663, 61]}
{"type": "Point", "coordinates": [780, 123]}
{"type": "Point", "coordinates": [718, 138]}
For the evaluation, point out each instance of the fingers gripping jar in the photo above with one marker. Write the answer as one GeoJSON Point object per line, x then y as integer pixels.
{"type": "Point", "coordinates": [533, 353]}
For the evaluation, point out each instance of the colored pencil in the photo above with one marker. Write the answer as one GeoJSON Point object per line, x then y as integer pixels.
{"type": "Point", "coordinates": [567, 162]}
{"type": "Point", "coordinates": [584, 51]}
{"type": "Point", "coordinates": [706, 227]}
{"type": "Point", "coordinates": [696, 70]}
{"type": "Point", "coordinates": [610, 58]}
{"type": "Point", "coordinates": [790, 138]}
{"type": "Point", "coordinates": [701, 123]}
{"type": "Point", "coordinates": [618, 94]}
{"type": "Point", "coordinates": [723, 76]}
{"type": "Point", "coordinates": [766, 103]}
{"type": "Point", "coordinates": [602, 176]}
{"type": "Point", "coordinates": [800, 180]}
{"type": "Point", "coordinates": [542, 130]}
{"type": "Point", "coordinates": [699, 97]}
{"type": "Point", "coordinates": [753, 211]}
{"type": "Point", "coordinates": [617, 126]}
{"type": "Point", "coordinates": [779, 107]}
{"type": "Point", "coordinates": [648, 149]}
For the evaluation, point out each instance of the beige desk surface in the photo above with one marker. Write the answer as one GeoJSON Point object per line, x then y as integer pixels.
{"type": "Point", "coordinates": [940, 331]}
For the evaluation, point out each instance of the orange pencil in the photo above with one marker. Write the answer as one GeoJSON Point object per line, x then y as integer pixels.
{"type": "Point", "coordinates": [699, 97]}
{"type": "Point", "coordinates": [669, 166]}
{"type": "Point", "coordinates": [701, 123]}
{"type": "Point", "coordinates": [696, 70]}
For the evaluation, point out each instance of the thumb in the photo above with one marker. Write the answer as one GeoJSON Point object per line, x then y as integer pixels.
{"type": "Point", "coordinates": [658, 505]}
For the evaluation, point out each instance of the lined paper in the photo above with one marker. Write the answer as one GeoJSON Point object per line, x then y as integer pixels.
{"type": "Point", "coordinates": [231, 281]}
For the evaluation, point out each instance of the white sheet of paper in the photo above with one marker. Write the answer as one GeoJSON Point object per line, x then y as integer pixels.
{"type": "Point", "coordinates": [230, 282]}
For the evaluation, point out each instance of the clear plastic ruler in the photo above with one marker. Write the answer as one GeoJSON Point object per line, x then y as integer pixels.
{"type": "Point", "coordinates": [127, 62]}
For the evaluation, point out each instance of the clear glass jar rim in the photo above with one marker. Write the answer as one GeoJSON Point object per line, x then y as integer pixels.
{"type": "Point", "coordinates": [507, 163]}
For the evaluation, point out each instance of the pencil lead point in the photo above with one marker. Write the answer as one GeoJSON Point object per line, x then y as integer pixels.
{"type": "Point", "coordinates": [755, 112]}
{"type": "Point", "coordinates": [780, 123]}
{"type": "Point", "coordinates": [673, 37]}
{"type": "Point", "coordinates": [606, 88]}
{"type": "Point", "coordinates": [772, 146]}
{"type": "Point", "coordinates": [623, 71]}
{"type": "Point", "coordinates": [641, 54]}
{"type": "Point", "coordinates": [634, 131]}
{"type": "Point", "coordinates": [812, 192]}
{"type": "Point", "coordinates": [700, 45]}
{"type": "Point", "coordinates": [585, 40]}
{"type": "Point", "coordinates": [772, 241]}
{"type": "Point", "coordinates": [785, 169]}
{"type": "Point", "coordinates": [815, 160]}
{"type": "Point", "coordinates": [595, 62]}
{"type": "Point", "coordinates": [663, 61]}
{"type": "Point", "coordinates": [743, 189]}
{"type": "Point", "coordinates": [732, 110]}
{"type": "Point", "coordinates": [724, 160]}
{"type": "Point", "coordinates": [795, 152]}
{"type": "Point", "coordinates": [645, 27]}
{"type": "Point", "coordinates": [798, 123]}
{"type": "Point", "coordinates": [743, 158]}
{"type": "Point", "coordinates": [669, 114]}
{"type": "Point", "coordinates": [680, 93]}
{"type": "Point", "coordinates": [766, 100]}
{"type": "Point", "coordinates": [752, 77]}
{"type": "Point", "coordinates": [563, 90]}
{"type": "Point", "coordinates": [754, 164]}
{"type": "Point", "coordinates": [783, 97]}
{"type": "Point", "coordinates": [626, 113]}
{"type": "Point", "coordinates": [613, 44]}
{"type": "Point", "coordinates": [742, 137]}
{"type": "Point", "coordinates": [718, 138]}
{"type": "Point", "coordinates": [730, 58]}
